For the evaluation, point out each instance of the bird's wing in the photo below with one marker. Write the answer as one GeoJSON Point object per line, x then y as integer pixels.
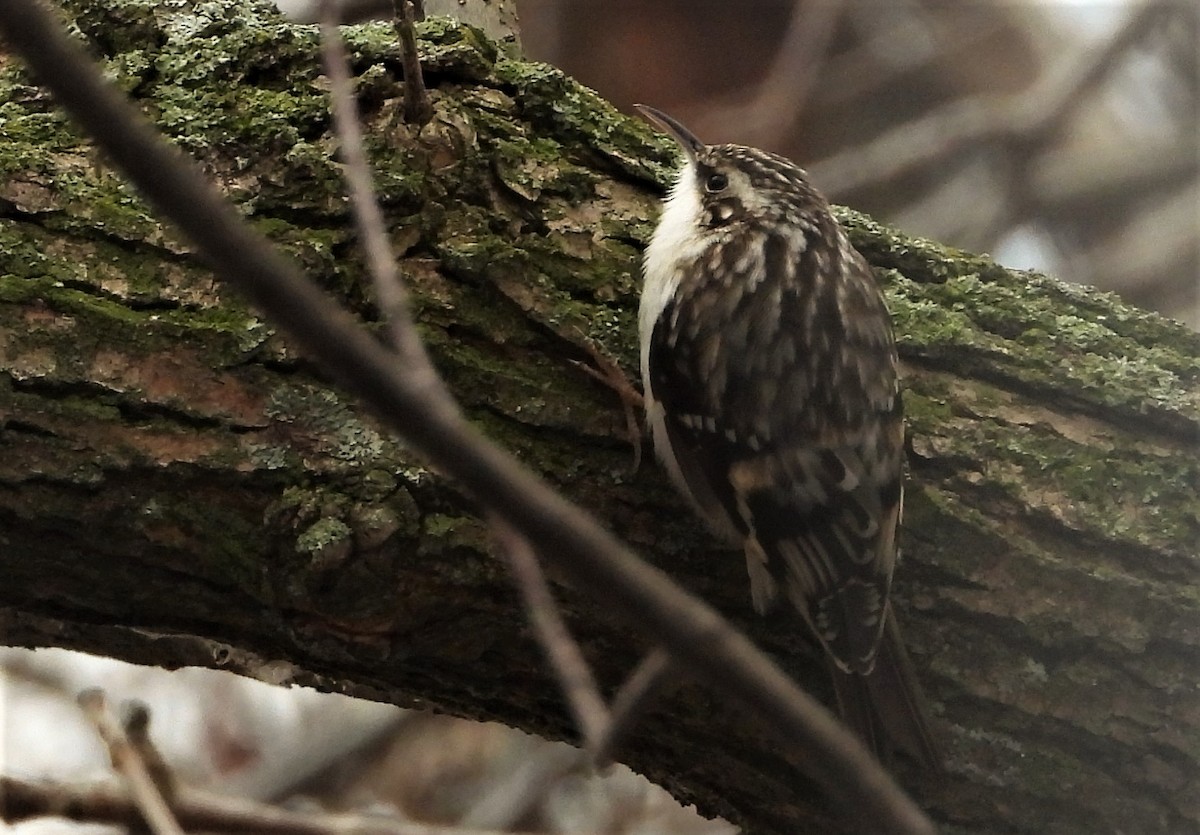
{"type": "Point", "coordinates": [823, 519]}
{"type": "Point", "coordinates": [803, 458]}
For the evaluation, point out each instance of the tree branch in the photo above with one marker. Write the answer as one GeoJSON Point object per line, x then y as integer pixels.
{"type": "Point", "coordinates": [179, 487]}
{"type": "Point", "coordinates": [145, 792]}
{"type": "Point", "coordinates": [411, 404]}
{"type": "Point", "coordinates": [22, 800]}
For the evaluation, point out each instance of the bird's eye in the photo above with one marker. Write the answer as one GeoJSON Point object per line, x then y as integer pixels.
{"type": "Point", "coordinates": [715, 183]}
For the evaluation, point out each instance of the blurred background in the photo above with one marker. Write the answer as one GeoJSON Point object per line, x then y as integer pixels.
{"type": "Point", "coordinates": [1057, 135]}
{"type": "Point", "coordinates": [315, 753]}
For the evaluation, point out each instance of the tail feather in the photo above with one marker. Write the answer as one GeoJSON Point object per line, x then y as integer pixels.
{"type": "Point", "coordinates": [887, 707]}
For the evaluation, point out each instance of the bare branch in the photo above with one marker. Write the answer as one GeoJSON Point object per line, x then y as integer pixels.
{"type": "Point", "coordinates": [417, 108]}
{"type": "Point", "coordinates": [417, 408]}
{"type": "Point", "coordinates": [643, 687]}
{"type": "Point", "coordinates": [109, 803]}
{"type": "Point", "coordinates": [126, 759]}
{"type": "Point", "coordinates": [137, 731]}
{"type": "Point", "coordinates": [389, 289]}
{"type": "Point", "coordinates": [564, 655]}
{"type": "Point", "coordinates": [602, 729]}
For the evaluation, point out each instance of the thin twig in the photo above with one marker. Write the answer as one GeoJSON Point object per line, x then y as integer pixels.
{"type": "Point", "coordinates": [419, 409]}
{"type": "Point", "coordinates": [602, 729]}
{"type": "Point", "coordinates": [197, 811]}
{"type": "Point", "coordinates": [417, 108]}
{"type": "Point", "coordinates": [566, 659]}
{"type": "Point", "coordinates": [137, 731]}
{"type": "Point", "coordinates": [381, 263]}
{"type": "Point", "coordinates": [644, 686]}
{"type": "Point", "coordinates": [129, 763]}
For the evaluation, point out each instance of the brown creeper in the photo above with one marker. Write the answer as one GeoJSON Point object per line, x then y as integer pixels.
{"type": "Point", "coordinates": [771, 390]}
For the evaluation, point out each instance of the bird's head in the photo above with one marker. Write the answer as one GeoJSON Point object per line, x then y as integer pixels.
{"type": "Point", "coordinates": [730, 184]}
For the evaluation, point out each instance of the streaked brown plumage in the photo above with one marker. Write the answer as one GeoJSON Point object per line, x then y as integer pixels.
{"type": "Point", "coordinates": [771, 388]}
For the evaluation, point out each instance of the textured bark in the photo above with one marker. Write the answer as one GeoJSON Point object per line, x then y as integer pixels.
{"type": "Point", "coordinates": [178, 487]}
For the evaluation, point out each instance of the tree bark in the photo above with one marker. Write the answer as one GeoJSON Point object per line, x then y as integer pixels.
{"type": "Point", "coordinates": [178, 487]}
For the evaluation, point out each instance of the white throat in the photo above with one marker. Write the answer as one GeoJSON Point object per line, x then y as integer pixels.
{"type": "Point", "coordinates": [677, 239]}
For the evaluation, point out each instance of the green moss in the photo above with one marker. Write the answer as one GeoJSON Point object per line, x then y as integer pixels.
{"type": "Point", "coordinates": [101, 313]}
{"type": "Point", "coordinates": [378, 484]}
{"type": "Point", "coordinates": [326, 544]}
{"type": "Point", "coordinates": [570, 295]}
{"type": "Point", "coordinates": [923, 411]}
{"type": "Point", "coordinates": [531, 168]}
{"type": "Point", "coordinates": [345, 436]}
{"type": "Point", "coordinates": [1121, 492]}
{"type": "Point", "coordinates": [271, 457]}
{"type": "Point", "coordinates": [926, 328]}
{"type": "Point", "coordinates": [30, 136]}
{"type": "Point", "coordinates": [272, 119]}
{"type": "Point", "coordinates": [1005, 326]}
{"type": "Point", "coordinates": [25, 254]}
{"type": "Point", "coordinates": [226, 334]}
{"type": "Point", "coordinates": [43, 169]}
{"type": "Point", "coordinates": [323, 535]}
{"type": "Point", "coordinates": [920, 259]}
{"type": "Point", "coordinates": [550, 99]}
{"type": "Point", "coordinates": [1088, 477]}
{"type": "Point", "coordinates": [449, 48]}
{"type": "Point", "coordinates": [69, 410]}
{"type": "Point", "coordinates": [450, 531]}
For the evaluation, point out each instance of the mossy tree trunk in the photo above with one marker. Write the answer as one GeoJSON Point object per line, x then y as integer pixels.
{"type": "Point", "coordinates": [178, 487]}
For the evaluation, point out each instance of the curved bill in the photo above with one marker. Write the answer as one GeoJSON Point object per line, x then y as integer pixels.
{"type": "Point", "coordinates": [686, 139]}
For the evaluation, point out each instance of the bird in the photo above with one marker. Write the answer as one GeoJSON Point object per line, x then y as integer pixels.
{"type": "Point", "coordinates": [772, 393]}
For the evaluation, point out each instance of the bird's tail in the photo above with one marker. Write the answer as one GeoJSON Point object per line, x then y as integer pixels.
{"type": "Point", "coordinates": [887, 708]}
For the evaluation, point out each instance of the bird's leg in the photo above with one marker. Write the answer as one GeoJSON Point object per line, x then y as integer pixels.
{"type": "Point", "coordinates": [605, 369]}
